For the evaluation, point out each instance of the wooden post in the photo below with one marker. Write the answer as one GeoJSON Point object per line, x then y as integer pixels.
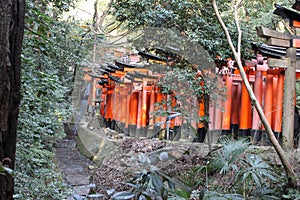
{"type": "Point", "coordinates": [258, 86]}
{"type": "Point", "coordinates": [109, 113]}
{"type": "Point", "coordinates": [133, 113]}
{"type": "Point", "coordinates": [235, 105]}
{"type": "Point", "coordinates": [151, 129]}
{"type": "Point", "coordinates": [128, 104]}
{"type": "Point", "coordinates": [143, 110]}
{"type": "Point", "coordinates": [288, 100]}
{"type": "Point", "coordinates": [275, 100]}
{"type": "Point", "coordinates": [139, 114]}
{"type": "Point", "coordinates": [123, 109]}
{"type": "Point", "coordinates": [244, 111]}
{"type": "Point", "coordinates": [278, 117]}
{"type": "Point", "coordinates": [268, 99]}
{"type": "Point", "coordinates": [227, 104]}
{"type": "Point", "coordinates": [116, 105]}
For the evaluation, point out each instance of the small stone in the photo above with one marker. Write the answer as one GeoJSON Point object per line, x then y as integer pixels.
{"type": "Point", "coordinates": [91, 167]}
{"type": "Point", "coordinates": [110, 192]}
{"type": "Point", "coordinates": [77, 197]}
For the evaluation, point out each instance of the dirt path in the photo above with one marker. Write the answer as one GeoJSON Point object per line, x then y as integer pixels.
{"type": "Point", "coordinates": [75, 168]}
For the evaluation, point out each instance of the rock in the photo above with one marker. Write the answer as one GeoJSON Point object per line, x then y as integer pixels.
{"type": "Point", "coordinates": [77, 197]}
{"type": "Point", "coordinates": [90, 167]}
{"type": "Point", "coordinates": [95, 145]}
{"type": "Point", "coordinates": [76, 180]}
{"type": "Point", "coordinates": [95, 195]}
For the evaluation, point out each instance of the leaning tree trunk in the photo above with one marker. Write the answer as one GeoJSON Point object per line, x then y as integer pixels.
{"type": "Point", "coordinates": [11, 36]}
{"type": "Point", "coordinates": [290, 174]}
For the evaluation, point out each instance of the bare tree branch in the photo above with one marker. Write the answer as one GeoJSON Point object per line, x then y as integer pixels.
{"type": "Point", "coordinates": [236, 19]}
{"type": "Point", "coordinates": [288, 168]}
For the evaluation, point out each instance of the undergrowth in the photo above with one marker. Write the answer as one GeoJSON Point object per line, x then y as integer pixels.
{"type": "Point", "coordinates": [50, 55]}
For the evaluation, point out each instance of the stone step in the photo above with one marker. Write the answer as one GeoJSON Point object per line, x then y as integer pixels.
{"type": "Point", "coordinates": [77, 180]}
{"type": "Point", "coordinates": [74, 168]}
{"type": "Point", "coordinates": [65, 144]}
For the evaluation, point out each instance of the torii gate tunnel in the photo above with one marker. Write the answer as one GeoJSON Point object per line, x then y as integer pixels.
{"type": "Point", "coordinates": [125, 95]}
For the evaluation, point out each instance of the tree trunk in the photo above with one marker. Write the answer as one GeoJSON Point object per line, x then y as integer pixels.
{"type": "Point", "coordinates": [290, 174]}
{"type": "Point", "coordinates": [11, 37]}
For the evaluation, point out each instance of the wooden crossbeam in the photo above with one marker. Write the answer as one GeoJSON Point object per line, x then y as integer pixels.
{"type": "Point", "coordinates": [281, 63]}
{"type": "Point", "coordinates": [278, 42]}
{"type": "Point", "coordinates": [269, 33]}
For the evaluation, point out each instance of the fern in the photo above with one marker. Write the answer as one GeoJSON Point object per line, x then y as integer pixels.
{"type": "Point", "coordinates": [226, 157]}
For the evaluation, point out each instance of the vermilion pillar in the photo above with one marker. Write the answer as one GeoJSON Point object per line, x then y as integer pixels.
{"type": "Point", "coordinates": [268, 98]}
{"type": "Point", "coordinates": [227, 103]}
{"type": "Point", "coordinates": [139, 114]}
{"type": "Point", "coordinates": [123, 101]}
{"type": "Point", "coordinates": [143, 110]}
{"type": "Point", "coordinates": [201, 113]}
{"type": "Point", "coordinates": [278, 116]}
{"type": "Point", "coordinates": [159, 99]}
{"type": "Point", "coordinates": [256, 125]}
{"type": "Point", "coordinates": [244, 111]}
{"type": "Point", "coordinates": [235, 102]}
{"type": "Point", "coordinates": [128, 96]}
{"type": "Point", "coordinates": [109, 113]}
{"type": "Point", "coordinates": [133, 113]}
{"type": "Point", "coordinates": [151, 128]}
{"type": "Point", "coordinates": [274, 100]}
{"type": "Point", "coordinates": [116, 106]}
{"type": "Point", "coordinates": [201, 132]}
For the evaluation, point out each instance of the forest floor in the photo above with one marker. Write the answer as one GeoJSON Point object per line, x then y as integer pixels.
{"type": "Point", "coordinates": [91, 182]}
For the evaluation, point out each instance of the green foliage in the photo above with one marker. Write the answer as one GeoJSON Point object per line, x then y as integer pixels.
{"type": "Point", "coordinates": [256, 170]}
{"type": "Point", "coordinates": [228, 157]}
{"type": "Point", "coordinates": [242, 173]}
{"type": "Point", "coordinates": [197, 20]}
{"type": "Point", "coordinates": [213, 195]}
{"type": "Point", "coordinates": [150, 182]}
{"type": "Point", "coordinates": [292, 194]}
{"type": "Point", "coordinates": [51, 53]}
{"type": "Point", "coordinates": [147, 183]}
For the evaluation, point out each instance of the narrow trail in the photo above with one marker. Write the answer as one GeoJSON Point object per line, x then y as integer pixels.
{"type": "Point", "coordinates": [74, 167]}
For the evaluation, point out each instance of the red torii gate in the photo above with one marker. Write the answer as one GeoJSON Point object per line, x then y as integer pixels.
{"type": "Point", "coordinates": [130, 104]}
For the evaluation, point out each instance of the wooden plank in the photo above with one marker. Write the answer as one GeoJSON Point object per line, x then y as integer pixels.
{"type": "Point", "coordinates": [280, 63]}
{"type": "Point", "coordinates": [278, 42]}
{"type": "Point", "coordinates": [266, 33]}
